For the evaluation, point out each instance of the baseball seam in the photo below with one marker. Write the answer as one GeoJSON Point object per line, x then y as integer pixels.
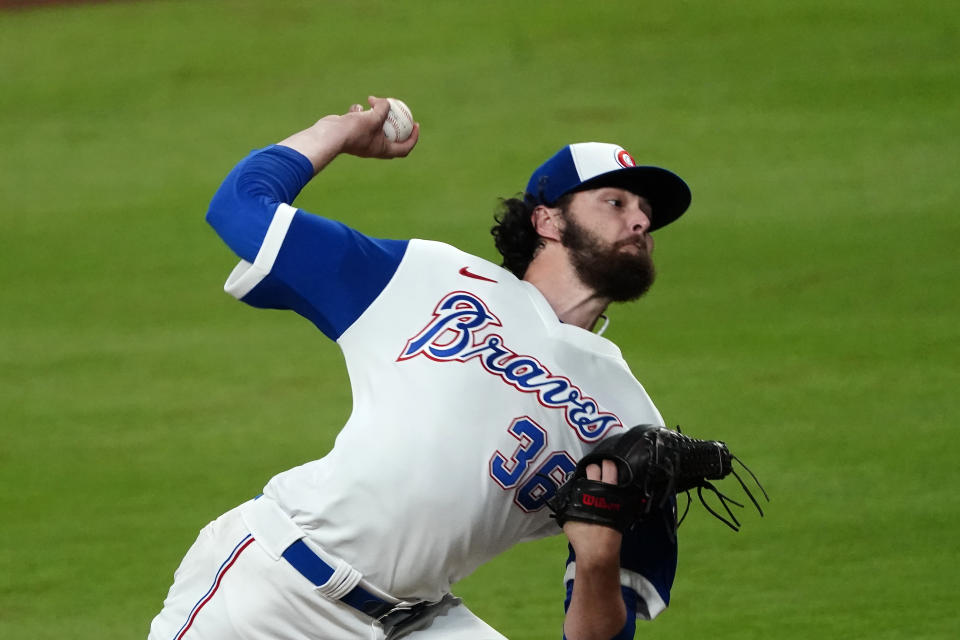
{"type": "Point", "coordinates": [406, 112]}
{"type": "Point", "coordinates": [395, 123]}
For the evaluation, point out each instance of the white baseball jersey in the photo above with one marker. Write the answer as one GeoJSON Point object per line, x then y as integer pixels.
{"type": "Point", "coordinates": [471, 400]}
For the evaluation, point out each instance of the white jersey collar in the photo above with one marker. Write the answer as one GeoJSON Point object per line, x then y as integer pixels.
{"type": "Point", "coordinates": [568, 332]}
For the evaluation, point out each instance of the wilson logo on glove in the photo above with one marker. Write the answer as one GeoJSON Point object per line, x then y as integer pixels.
{"type": "Point", "coordinates": [599, 502]}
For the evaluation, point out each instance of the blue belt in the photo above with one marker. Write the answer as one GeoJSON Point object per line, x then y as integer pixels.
{"type": "Point", "coordinates": [314, 569]}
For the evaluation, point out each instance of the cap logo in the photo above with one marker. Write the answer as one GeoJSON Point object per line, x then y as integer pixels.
{"type": "Point", "coordinates": [625, 160]}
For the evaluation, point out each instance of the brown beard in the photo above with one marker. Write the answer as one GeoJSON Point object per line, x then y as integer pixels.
{"type": "Point", "coordinates": [608, 270]}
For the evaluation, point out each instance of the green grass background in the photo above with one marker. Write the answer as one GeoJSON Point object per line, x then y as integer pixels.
{"type": "Point", "coordinates": [806, 311]}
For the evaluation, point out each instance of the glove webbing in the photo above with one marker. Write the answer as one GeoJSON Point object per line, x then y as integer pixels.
{"type": "Point", "coordinates": [726, 500]}
{"type": "Point", "coordinates": [705, 460]}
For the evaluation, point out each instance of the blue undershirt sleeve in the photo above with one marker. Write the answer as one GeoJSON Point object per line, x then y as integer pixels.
{"type": "Point", "coordinates": [243, 206]}
{"type": "Point", "coordinates": [320, 268]}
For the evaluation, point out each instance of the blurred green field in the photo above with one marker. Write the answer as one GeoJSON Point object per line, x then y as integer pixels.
{"type": "Point", "coordinates": [806, 311]}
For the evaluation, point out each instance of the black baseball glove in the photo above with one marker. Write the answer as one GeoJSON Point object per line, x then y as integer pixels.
{"type": "Point", "coordinates": [653, 465]}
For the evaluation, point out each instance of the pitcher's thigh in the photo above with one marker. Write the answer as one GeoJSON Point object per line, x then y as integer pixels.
{"type": "Point", "coordinates": [195, 598]}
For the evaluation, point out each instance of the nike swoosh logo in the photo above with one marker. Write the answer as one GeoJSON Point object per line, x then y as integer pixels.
{"type": "Point", "coordinates": [466, 272]}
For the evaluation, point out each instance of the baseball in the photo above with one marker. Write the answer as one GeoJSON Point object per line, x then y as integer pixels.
{"type": "Point", "coordinates": [399, 123]}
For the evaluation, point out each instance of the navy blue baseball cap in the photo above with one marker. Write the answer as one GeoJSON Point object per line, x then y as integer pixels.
{"type": "Point", "coordinates": [589, 165]}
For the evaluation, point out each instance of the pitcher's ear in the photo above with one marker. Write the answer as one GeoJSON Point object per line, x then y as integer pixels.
{"type": "Point", "coordinates": [547, 222]}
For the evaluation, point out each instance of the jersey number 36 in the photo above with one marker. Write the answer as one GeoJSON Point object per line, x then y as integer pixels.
{"type": "Point", "coordinates": [533, 488]}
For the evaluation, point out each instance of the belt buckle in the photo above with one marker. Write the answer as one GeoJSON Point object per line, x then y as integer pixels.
{"type": "Point", "coordinates": [401, 614]}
